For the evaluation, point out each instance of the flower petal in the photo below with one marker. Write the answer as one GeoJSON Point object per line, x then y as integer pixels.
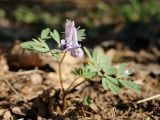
{"type": "Point", "coordinates": [63, 44]}
{"type": "Point", "coordinates": [69, 27]}
{"type": "Point", "coordinates": [77, 52]}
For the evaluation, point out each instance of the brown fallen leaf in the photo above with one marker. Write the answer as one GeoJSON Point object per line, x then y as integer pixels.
{"type": "Point", "coordinates": [19, 58]}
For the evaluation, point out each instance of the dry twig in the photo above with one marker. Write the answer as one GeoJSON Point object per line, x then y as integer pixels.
{"type": "Point", "coordinates": [149, 98]}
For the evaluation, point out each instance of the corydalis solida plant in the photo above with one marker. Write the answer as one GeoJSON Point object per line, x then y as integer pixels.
{"type": "Point", "coordinates": [99, 65]}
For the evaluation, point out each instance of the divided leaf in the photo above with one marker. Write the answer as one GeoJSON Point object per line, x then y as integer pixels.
{"type": "Point", "coordinates": [130, 85]}
{"type": "Point", "coordinates": [108, 69]}
{"type": "Point", "coordinates": [37, 45]}
{"type": "Point", "coordinates": [80, 34]}
{"type": "Point", "coordinates": [104, 84]}
{"type": "Point", "coordinates": [114, 80]}
{"type": "Point", "coordinates": [92, 67]}
{"type": "Point", "coordinates": [28, 44]}
{"type": "Point", "coordinates": [87, 52]}
{"type": "Point", "coordinates": [86, 101]}
{"type": "Point", "coordinates": [114, 88]}
{"type": "Point", "coordinates": [45, 33]}
{"type": "Point", "coordinates": [111, 83]}
{"type": "Point", "coordinates": [100, 65]}
{"type": "Point", "coordinates": [40, 49]}
{"type": "Point", "coordinates": [55, 54]}
{"type": "Point", "coordinates": [100, 58]}
{"type": "Point", "coordinates": [87, 73]}
{"type": "Point", "coordinates": [123, 72]}
{"type": "Point", "coordinates": [55, 35]}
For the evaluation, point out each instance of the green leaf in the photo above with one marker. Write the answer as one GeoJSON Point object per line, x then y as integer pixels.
{"type": "Point", "coordinates": [121, 68]}
{"type": "Point", "coordinates": [55, 54]}
{"type": "Point", "coordinates": [40, 49]}
{"type": "Point", "coordinates": [123, 72]}
{"type": "Point", "coordinates": [78, 71]}
{"type": "Point", "coordinates": [110, 83]}
{"type": "Point", "coordinates": [43, 43]}
{"type": "Point", "coordinates": [130, 85]}
{"type": "Point", "coordinates": [27, 44]}
{"type": "Point", "coordinates": [80, 34]}
{"type": "Point", "coordinates": [113, 87]}
{"type": "Point", "coordinates": [100, 57]}
{"type": "Point", "coordinates": [55, 35]}
{"type": "Point", "coordinates": [37, 45]}
{"type": "Point", "coordinates": [104, 84]}
{"type": "Point", "coordinates": [108, 69]}
{"type": "Point", "coordinates": [86, 101]}
{"type": "Point", "coordinates": [87, 52]}
{"type": "Point", "coordinates": [114, 80]}
{"type": "Point", "coordinates": [45, 33]}
{"type": "Point", "coordinates": [94, 54]}
{"type": "Point", "coordinates": [87, 73]}
{"type": "Point", "coordinates": [92, 67]}
{"type": "Point", "coordinates": [37, 42]}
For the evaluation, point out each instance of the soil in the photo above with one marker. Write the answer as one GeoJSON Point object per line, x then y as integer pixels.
{"type": "Point", "coordinates": [29, 88]}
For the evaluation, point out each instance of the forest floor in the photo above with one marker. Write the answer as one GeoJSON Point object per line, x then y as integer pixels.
{"type": "Point", "coordinates": [28, 92]}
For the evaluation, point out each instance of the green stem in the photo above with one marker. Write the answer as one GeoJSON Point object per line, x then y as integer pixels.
{"type": "Point", "coordinates": [60, 73]}
{"type": "Point", "coordinates": [67, 92]}
{"type": "Point", "coordinates": [72, 84]}
{"type": "Point", "coordinates": [76, 86]}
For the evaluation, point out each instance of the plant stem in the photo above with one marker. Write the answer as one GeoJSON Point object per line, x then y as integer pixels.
{"type": "Point", "coordinates": [72, 84]}
{"type": "Point", "coordinates": [64, 102]}
{"type": "Point", "coordinates": [76, 86]}
{"type": "Point", "coordinates": [66, 93]}
{"type": "Point", "coordinates": [60, 72]}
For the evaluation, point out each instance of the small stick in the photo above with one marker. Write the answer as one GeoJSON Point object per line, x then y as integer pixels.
{"type": "Point", "coordinates": [149, 98]}
{"type": "Point", "coordinates": [87, 112]}
{"type": "Point", "coordinates": [113, 114]}
{"type": "Point", "coordinates": [14, 90]}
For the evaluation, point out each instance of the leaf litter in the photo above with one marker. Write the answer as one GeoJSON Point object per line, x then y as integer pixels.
{"type": "Point", "coordinates": [37, 96]}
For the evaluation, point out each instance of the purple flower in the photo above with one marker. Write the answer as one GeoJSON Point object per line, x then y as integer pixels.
{"type": "Point", "coordinates": [77, 52]}
{"type": "Point", "coordinates": [70, 43]}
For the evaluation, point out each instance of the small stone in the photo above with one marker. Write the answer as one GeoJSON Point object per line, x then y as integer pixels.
{"type": "Point", "coordinates": [50, 76]}
{"type": "Point", "coordinates": [97, 117]}
{"type": "Point", "coordinates": [3, 64]}
{"type": "Point", "coordinates": [17, 86]}
{"type": "Point", "coordinates": [7, 116]}
{"type": "Point", "coordinates": [36, 78]}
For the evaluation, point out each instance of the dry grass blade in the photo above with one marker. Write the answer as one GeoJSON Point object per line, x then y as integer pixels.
{"type": "Point", "coordinates": [14, 90]}
{"type": "Point", "coordinates": [149, 98]}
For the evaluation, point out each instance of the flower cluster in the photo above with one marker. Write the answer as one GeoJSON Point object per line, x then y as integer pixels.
{"type": "Point", "coordinates": [70, 42]}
